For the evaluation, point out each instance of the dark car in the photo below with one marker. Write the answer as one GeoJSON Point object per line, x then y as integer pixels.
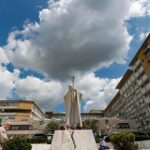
{"type": "Point", "coordinates": [41, 136]}
{"type": "Point", "coordinates": [140, 133]}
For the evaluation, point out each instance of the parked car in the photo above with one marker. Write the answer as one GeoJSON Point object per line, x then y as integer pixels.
{"type": "Point", "coordinates": [140, 133]}
{"type": "Point", "coordinates": [41, 136]}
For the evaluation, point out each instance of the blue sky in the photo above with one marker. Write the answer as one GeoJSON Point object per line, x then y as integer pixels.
{"type": "Point", "coordinates": [14, 13]}
{"type": "Point", "coordinates": [43, 43]}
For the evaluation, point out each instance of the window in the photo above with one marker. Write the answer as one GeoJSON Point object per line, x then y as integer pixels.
{"type": "Point", "coordinates": [106, 121]}
{"type": "Point", "coordinates": [122, 126]}
{"type": "Point", "coordinates": [24, 127]}
{"type": "Point", "coordinates": [145, 83]}
{"type": "Point", "coordinates": [141, 75]}
{"type": "Point", "coordinates": [14, 127]}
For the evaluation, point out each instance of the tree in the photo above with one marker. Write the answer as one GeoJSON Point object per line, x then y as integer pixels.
{"type": "Point", "coordinates": [52, 126]}
{"type": "Point", "coordinates": [90, 124]}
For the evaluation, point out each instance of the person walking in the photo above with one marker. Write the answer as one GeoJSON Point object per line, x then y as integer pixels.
{"type": "Point", "coordinates": [102, 144]}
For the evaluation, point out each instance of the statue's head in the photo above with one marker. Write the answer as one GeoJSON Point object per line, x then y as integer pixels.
{"type": "Point", "coordinates": [70, 87]}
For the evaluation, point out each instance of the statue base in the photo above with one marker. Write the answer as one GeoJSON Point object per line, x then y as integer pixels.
{"type": "Point", "coordinates": [73, 140]}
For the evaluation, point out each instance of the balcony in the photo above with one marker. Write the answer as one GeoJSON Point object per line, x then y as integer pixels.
{"type": "Point", "coordinates": [137, 74]}
{"type": "Point", "coordinates": [148, 86]}
{"type": "Point", "coordinates": [143, 90]}
{"type": "Point", "coordinates": [144, 78]}
{"type": "Point", "coordinates": [139, 82]}
{"type": "Point", "coordinates": [141, 69]}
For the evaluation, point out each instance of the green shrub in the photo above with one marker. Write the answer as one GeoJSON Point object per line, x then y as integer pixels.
{"type": "Point", "coordinates": [52, 126]}
{"type": "Point", "coordinates": [97, 139]}
{"type": "Point", "coordinates": [107, 139]}
{"type": "Point", "coordinates": [17, 144]}
{"type": "Point", "coordinates": [124, 141]}
{"type": "Point", "coordinates": [90, 124]}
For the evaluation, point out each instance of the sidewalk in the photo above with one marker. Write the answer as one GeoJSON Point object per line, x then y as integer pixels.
{"type": "Point", "coordinates": [144, 145]}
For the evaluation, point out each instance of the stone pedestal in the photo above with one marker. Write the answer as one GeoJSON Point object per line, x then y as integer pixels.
{"type": "Point", "coordinates": [73, 140]}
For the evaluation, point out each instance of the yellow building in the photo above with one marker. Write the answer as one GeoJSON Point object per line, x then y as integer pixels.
{"type": "Point", "coordinates": [20, 110]}
{"type": "Point", "coordinates": [133, 99]}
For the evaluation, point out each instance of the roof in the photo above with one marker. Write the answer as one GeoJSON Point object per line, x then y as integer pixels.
{"type": "Point", "coordinates": [24, 101]}
{"type": "Point", "coordinates": [16, 101]}
{"type": "Point", "coordinates": [63, 113]}
{"type": "Point", "coordinates": [96, 111]}
{"type": "Point", "coordinates": [124, 78]}
{"type": "Point", "coordinates": [20, 123]}
{"type": "Point", "coordinates": [128, 72]}
{"type": "Point", "coordinates": [136, 55]}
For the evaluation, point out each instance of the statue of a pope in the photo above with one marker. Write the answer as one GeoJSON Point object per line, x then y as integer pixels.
{"type": "Point", "coordinates": [72, 105]}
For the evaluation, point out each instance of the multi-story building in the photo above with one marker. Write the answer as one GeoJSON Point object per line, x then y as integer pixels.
{"type": "Point", "coordinates": [93, 114]}
{"type": "Point", "coordinates": [20, 110]}
{"type": "Point", "coordinates": [133, 99]}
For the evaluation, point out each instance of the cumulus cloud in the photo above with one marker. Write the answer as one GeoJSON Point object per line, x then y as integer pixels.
{"type": "Point", "coordinates": [72, 37]}
{"type": "Point", "coordinates": [97, 92]}
{"type": "Point", "coordinates": [7, 81]}
{"type": "Point", "coordinates": [3, 56]}
{"type": "Point", "coordinates": [139, 8]}
{"type": "Point", "coordinates": [47, 94]}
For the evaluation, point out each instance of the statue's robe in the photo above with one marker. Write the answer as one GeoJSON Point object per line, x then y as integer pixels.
{"type": "Point", "coordinates": [72, 105]}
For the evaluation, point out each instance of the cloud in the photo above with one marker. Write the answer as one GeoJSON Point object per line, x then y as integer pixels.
{"type": "Point", "coordinates": [7, 81]}
{"type": "Point", "coordinates": [3, 56]}
{"type": "Point", "coordinates": [72, 37]}
{"type": "Point", "coordinates": [97, 92]}
{"type": "Point", "coordinates": [143, 35]}
{"type": "Point", "coordinates": [47, 94]}
{"type": "Point", "coordinates": [139, 8]}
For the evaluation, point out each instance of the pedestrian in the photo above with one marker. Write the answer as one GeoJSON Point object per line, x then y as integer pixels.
{"type": "Point", "coordinates": [102, 144]}
{"type": "Point", "coordinates": [3, 133]}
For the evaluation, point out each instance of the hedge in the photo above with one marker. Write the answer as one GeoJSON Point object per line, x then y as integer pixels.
{"type": "Point", "coordinates": [17, 143]}
{"type": "Point", "coordinates": [124, 141]}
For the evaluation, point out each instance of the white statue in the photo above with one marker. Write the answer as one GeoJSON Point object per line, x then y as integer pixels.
{"type": "Point", "coordinates": [73, 139]}
{"type": "Point", "coordinates": [72, 104]}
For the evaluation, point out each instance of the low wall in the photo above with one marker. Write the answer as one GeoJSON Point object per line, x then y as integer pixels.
{"type": "Point", "coordinates": [41, 146]}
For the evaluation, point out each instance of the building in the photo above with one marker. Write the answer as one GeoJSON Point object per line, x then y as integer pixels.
{"type": "Point", "coordinates": [20, 110]}
{"type": "Point", "coordinates": [109, 125]}
{"type": "Point", "coordinates": [93, 114]}
{"type": "Point", "coordinates": [133, 99]}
